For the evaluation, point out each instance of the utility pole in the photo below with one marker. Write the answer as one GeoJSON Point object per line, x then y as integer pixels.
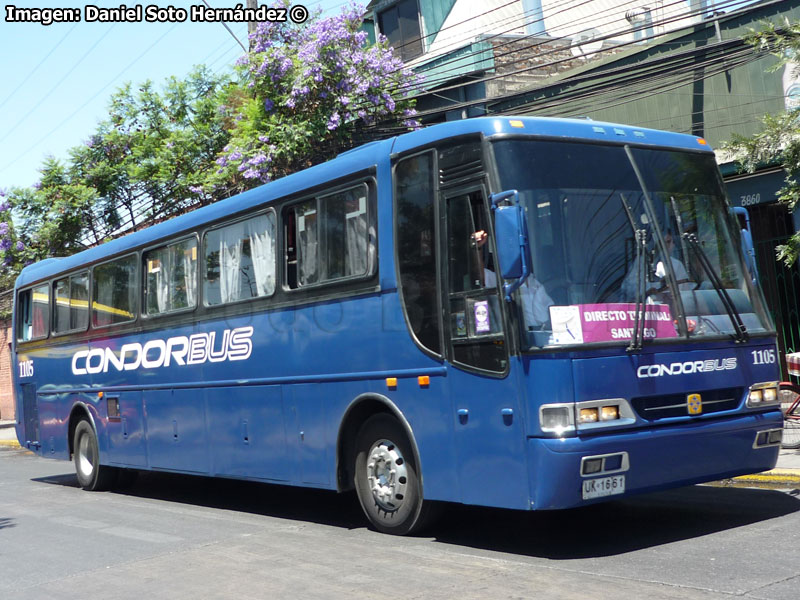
{"type": "Point", "coordinates": [251, 25]}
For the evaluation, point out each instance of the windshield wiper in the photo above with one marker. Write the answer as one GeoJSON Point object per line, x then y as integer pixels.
{"type": "Point", "coordinates": [640, 240]}
{"type": "Point", "coordinates": [741, 334]}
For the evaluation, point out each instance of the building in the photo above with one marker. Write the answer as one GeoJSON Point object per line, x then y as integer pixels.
{"type": "Point", "coordinates": [680, 66]}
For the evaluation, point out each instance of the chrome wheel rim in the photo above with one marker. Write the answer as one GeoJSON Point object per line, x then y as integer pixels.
{"type": "Point", "coordinates": [387, 475]}
{"type": "Point", "coordinates": [86, 458]}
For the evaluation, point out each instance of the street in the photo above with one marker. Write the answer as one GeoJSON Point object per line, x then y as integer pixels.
{"type": "Point", "coordinates": [172, 536]}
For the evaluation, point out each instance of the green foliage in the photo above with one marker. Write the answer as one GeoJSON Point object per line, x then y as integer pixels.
{"type": "Point", "coordinates": [306, 91]}
{"type": "Point", "coordinates": [779, 140]}
{"type": "Point", "coordinates": [302, 93]}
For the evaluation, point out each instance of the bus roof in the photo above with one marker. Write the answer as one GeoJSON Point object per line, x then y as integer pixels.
{"type": "Point", "coordinates": [354, 161]}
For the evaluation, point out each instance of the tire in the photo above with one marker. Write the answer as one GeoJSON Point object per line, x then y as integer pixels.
{"type": "Point", "coordinates": [387, 478]}
{"type": "Point", "coordinates": [791, 420]}
{"type": "Point", "coordinates": [92, 476]}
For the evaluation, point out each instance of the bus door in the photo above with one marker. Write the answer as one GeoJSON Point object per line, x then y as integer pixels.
{"type": "Point", "coordinates": [489, 432]}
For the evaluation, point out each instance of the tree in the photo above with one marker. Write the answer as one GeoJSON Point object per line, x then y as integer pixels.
{"type": "Point", "coordinates": [779, 140]}
{"type": "Point", "coordinates": [306, 91]}
{"type": "Point", "coordinates": [148, 159]}
{"type": "Point", "coordinates": [303, 92]}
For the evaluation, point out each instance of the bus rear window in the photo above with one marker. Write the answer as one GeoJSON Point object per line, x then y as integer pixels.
{"type": "Point", "coordinates": [114, 292]}
{"type": "Point", "coordinates": [32, 313]}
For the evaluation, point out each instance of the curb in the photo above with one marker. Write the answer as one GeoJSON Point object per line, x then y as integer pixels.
{"type": "Point", "coordinates": [9, 444]}
{"type": "Point", "coordinates": [773, 478]}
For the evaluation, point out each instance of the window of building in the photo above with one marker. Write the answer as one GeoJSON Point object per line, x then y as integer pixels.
{"type": "Point", "coordinates": [400, 24]}
{"type": "Point", "coordinates": [32, 313]}
{"type": "Point", "coordinates": [240, 261]}
{"type": "Point", "coordinates": [328, 238]}
{"type": "Point", "coordinates": [114, 292]}
{"type": "Point", "coordinates": [71, 311]}
{"type": "Point", "coordinates": [171, 277]}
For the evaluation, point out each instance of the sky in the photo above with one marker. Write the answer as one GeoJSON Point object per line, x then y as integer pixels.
{"type": "Point", "coordinates": [56, 80]}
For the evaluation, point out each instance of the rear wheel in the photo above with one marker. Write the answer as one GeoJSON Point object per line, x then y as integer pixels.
{"type": "Point", "coordinates": [92, 475]}
{"type": "Point", "coordinates": [790, 402]}
{"type": "Point", "coordinates": [387, 478]}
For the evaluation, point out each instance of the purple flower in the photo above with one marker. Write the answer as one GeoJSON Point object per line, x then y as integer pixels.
{"type": "Point", "coordinates": [268, 104]}
{"type": "Point", "coordinates": [4, 228]}
{"type": "Point", "coordinates": [5, 244]}
{"type": "Point", "coordinates": [334, 121]}
{"type": "Point", "coordinates": [20, 246]}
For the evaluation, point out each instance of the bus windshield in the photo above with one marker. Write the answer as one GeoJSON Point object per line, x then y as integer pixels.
{"type": "Point", "coordinates": [613, 226]}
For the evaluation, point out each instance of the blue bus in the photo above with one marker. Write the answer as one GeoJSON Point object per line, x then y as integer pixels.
{"type": "Point", "coordinates": [522, 313]}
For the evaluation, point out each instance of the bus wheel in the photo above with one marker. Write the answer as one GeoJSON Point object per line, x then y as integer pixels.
{"type": "Point", "coordinates": [387, 478]}
{"type": "Point", "coordinates": [91, 474]}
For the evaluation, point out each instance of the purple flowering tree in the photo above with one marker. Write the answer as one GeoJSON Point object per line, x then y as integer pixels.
{"type": "Point", "coordinates": [307, 90]}
{"type": "Point", "coordinates": [304, 93]}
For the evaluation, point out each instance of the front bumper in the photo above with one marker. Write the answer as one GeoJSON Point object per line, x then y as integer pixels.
{"type": "Point", "coordinates": [659, 457]}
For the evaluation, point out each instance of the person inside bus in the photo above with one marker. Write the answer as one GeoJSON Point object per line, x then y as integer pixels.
{"type": "Point", "coordinates": [681, 275]}
{"type": "Point", "coordinates": [536, 302]}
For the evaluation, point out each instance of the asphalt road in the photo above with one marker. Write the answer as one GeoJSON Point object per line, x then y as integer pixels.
{"type": "Point", "coordinates": [182, 537]}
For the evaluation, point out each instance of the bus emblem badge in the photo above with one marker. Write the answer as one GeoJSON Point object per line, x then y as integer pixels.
{"type": "Point", "coordinates": [694, 404]}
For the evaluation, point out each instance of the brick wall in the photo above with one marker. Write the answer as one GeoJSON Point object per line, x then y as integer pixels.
{"type": "Point", "coordinates": [6, 393]}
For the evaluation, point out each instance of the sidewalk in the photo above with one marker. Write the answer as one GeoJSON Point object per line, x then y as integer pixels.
{"type": "Point", "coordinates": [8, 438]}
{"type": "Point", "coordinates": [785, 474]}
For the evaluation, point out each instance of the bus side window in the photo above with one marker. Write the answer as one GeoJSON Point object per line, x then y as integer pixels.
{"type": "Point", "coordinates": [171, 277]}
{"type": "Point", "coordinates": [329, 238]}
{"type": "Point", "coordinates": [114, 292]}
{"type": "Point", "coordinates": [71, 306]}
{"type": "Point", "coordinates": [33, 313]}
{"type": "Point", "coordinates": [240, 260]}
{"type": "Point", "coordinates": [476, 321]}
{"type": "Point", "coordinates": [416, 248]}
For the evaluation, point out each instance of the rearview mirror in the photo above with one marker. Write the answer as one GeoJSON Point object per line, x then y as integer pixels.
{"type": "Point", "coordinates": [743, 220]}
{"type": "Point", "coordinates": [511, 237]}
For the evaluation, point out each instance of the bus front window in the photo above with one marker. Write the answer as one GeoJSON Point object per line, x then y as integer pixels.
{"type": "Point", "coordinates": [611, 226]}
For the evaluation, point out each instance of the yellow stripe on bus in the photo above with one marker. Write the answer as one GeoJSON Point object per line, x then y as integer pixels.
{"type": "Point", "coordinates": [97, 307]}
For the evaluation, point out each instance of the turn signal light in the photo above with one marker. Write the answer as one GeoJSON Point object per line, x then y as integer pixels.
{"type": "Point", "coordinates": [609, 413]}
{"type": "Point", "coordinates": [588, 415]}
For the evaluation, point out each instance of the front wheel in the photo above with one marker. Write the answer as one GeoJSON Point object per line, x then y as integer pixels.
{"type": "Point", "coordinates": [387, 478]}
{"type": "Point", "coordinates": [92, 475]}
{"type": "Point", "coordinates": [790, 403]}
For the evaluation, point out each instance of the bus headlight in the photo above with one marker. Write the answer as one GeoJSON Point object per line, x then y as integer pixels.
{"type": "Point", "coordinates": [557, 418]}
{"type": "Point", "coordinates": [609, 413]}
{"type": "Point", "coordinates": [584, 416]}
{"type": "Point", "coordinates": [597, 414]}
{"type": "Point", "coordinates": [762, 394]}
{"type": "Point", "coordinates": [588, 415]}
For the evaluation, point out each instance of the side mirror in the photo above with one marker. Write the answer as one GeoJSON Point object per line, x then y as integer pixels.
{"type": "Point", "coordinates": [743, 220]}
{"type": "Point", "coordinates": [511, 237]}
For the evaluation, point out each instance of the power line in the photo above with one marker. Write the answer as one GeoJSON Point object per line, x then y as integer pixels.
{"type": "Point", "coordinates": [85, 104]}
{"type": "Point", "coordinates": [55, 87]}
{"type": "Point", "coordinates": [36, 68]}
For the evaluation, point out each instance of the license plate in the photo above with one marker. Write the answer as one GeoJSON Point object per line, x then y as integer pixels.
{"type": "Point", "coordinates": [604, 486]}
